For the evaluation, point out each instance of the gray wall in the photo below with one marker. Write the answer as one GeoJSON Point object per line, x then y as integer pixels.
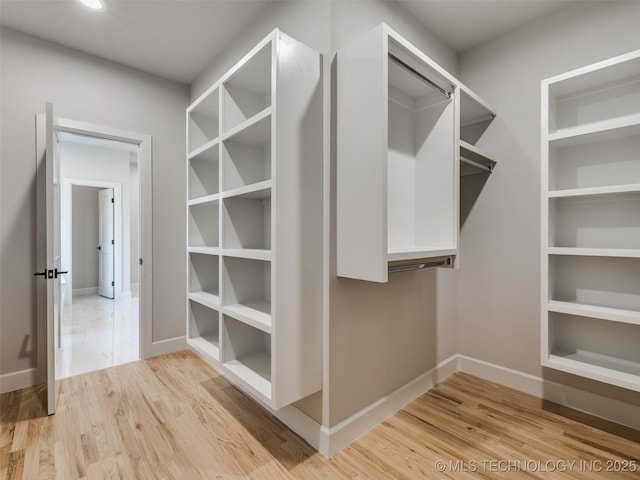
{"type": "Point", "coordinates": [325, 26]}
{"type": "Point", "coordinates": [498, 285]}
{"type": "Point", "coordinates": [88, 89]}
{"type": "Point", "coordinates": [381, 336]}
{"type": "Point", "coordinates": [84, 236]}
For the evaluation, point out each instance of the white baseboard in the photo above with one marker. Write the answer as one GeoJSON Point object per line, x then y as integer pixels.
{"type": "Point", "coordinates": [339, 436]}
{"type": "Point", "coordinates": [78, 292]}
{"type": "Point", "coordinates": [21, 379]}
{"type": "Point", "coordinates": [581, 400]}
{"type": "Point", "coordinates": [166, 346]}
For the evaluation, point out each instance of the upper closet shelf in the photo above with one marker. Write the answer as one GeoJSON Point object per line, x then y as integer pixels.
{"type": "Point", "coordinates": [595, 252]}
{"type": "Point", "coordinates": [610, 129]}
{"type": "Point", "coordinates": [595, 191]}
{"type": "Point", "coordinates": [473, 109]}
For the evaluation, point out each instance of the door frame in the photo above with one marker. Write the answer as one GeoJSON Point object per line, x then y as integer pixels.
{"type": "Point", "coordinates": [145, 232]}
{"type": "Point", "coordinates": [107, 245]}
{"type": "Point", "coordinates": [67, 198]}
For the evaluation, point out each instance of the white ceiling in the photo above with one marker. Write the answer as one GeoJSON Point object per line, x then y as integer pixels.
{"type": "Point", "coordinates": [175, 39]}
{"type": "Point", "coordinates": [463, 24]}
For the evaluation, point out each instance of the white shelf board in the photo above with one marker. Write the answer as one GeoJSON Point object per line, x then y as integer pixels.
{"type": "Point", "coordinates": [595, 252]}
{"type": "Point", "coordinates": [255, 190]}
{"type": "Point", "coordinates": [205, 298]}
{"type": "Point", "coordinates": [417, 252]}
{"type": "Point", "coordinates": [254, 370]}
{"type": "Point", "coordinates": [596, 74]}
{"type": "Point", "coordinates": [598, 367]}
{"type": "Point", "coordinates": [207, 345]}
{"type": "Point", "coordinates": [476, 154]}
{"type": "Point", "coordinates": [251, 55]}
{"type": "Point", "coordinates": [592, 311]}
{"type": "Point", "coordinates": [255, 314]}
{"type": "Point", "coordinates": [255, 138]}
{"type": "Point", "coordinates": [473, 109]}
{"type": "Point", "coordinates": [204, 250]}
{"type": "Point", "coordinates": [203, 200]}
{"type": "Point", "coordinates": [594, 191]}
{"type": "Point", "coordinates": [611, 129]}
{"type": "Point", "coordinates": [203, 150]}
{"type": "Point", "coordinates": [203, 97]}
{"type": "Point", "coordinates": [252, 254]}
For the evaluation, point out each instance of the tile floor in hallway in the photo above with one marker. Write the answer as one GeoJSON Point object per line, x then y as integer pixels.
{"type": "Point", "coordinates": [98, 332]}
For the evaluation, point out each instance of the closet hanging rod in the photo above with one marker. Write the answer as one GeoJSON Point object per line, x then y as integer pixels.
{"type": "Point", "coordinates": [420, 266]}
{"type": "Point", "coordinates": [408, 67]}
{"type": "Point", "coordinates": [486, 168]}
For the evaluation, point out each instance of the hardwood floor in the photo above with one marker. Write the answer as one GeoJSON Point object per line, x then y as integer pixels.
{"type": "Point", "coordinates": [173, 417]}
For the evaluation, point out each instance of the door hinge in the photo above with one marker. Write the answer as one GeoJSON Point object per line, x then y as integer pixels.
{"type": "Point", "coordinates": [112, 242]}
{"type": "Point", "coordinates": [112, 201]}
{"type": "Point", "coordinates": [140, 261]}
{"type": "Point", "coordinates": [113, 284]}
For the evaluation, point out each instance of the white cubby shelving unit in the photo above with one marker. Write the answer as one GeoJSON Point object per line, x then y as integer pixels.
{"type": "Point", "coordinates": [590, 323]}
{"type": "Point", "coordinates": [254, 202]}
{"type": "Point", "coordinates": [399, 147]}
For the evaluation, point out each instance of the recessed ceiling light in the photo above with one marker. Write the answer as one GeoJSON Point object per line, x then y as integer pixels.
{"type": "Point", "coordinates": [94, 4]}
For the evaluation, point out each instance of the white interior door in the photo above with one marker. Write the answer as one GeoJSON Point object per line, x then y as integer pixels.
{"type": "Point", "coordinates": [106, 247]}
{"type": "Point", "coordinates": [48, 247]}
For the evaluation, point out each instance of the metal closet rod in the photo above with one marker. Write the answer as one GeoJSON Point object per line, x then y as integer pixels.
{"type": "Point", "coordinates": [420, 266]}
{"type": "Point", "coordinates": [419, 75]}
{"type": "Point", "coordinates": [486, 168]}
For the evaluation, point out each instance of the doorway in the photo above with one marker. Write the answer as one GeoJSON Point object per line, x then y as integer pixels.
{"type": "Point", "coordinates": [100, 321]}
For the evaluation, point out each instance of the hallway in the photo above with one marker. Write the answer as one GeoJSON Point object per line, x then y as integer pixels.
{"type": "Point", "coordinates": [98, 332]}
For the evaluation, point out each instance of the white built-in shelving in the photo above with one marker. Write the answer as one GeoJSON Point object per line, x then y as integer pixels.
{"type": "Point", "coordinates": [404, 126]}
{"type": "Point", "coordinates": [254, 202]}
{"type": "Point", "coordinates": [591, 222]}
{"type": "Point", "coordinates": [475, 117]}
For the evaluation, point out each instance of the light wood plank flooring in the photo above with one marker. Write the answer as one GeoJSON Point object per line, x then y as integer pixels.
{"type": "Point", "coordinates": [173, 417]}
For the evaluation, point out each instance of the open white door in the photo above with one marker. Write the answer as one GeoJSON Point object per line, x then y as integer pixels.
{"type": "Point", "coordinates": [48, 246]}
{"type": "Point", "coordinates": [106, 285]}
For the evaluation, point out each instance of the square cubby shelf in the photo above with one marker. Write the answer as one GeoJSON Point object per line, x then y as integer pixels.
{"type": "Point", "coordinates": [248, 90]}
{"type": "Point", "coordinates": [204, 224]}
{"type": "Point", "coordinates": [247, 291]}
{"type": "Point", "coordinates": [247, 155]}
{"type": "Point", "coordinates": [204, 121]}
{"type": "Point", "coordinates": [204, 274]}
{"type": "Point", "coordinates": [204, 173]}
{"type": "Point", "coordinates": [247, 221]}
